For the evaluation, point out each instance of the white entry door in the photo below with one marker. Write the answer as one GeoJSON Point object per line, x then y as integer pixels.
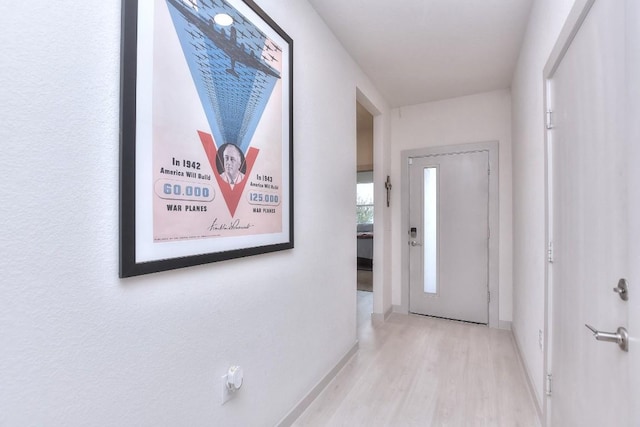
{"type": "Point", "coordinates": [448, 235]}
{"type": "Point", "coordinates": [589, 221]}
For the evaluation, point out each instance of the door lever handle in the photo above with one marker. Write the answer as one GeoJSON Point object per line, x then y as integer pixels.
{"type": "Point", "coordinates": [620, 337]}
{"type": "Point", "coordinates": [414, 243]}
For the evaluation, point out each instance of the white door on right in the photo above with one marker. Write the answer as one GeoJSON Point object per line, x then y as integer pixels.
{"type": "Point", "coordinates": [589, 220]}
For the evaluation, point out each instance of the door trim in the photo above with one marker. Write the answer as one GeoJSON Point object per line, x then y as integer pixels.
{"type": "Point", "coordinates": [572, 25]}
{"type": "Point", "coordinates": [494, 218]}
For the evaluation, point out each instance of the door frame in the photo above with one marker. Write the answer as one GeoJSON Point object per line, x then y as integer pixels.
{"type": "Point", "coordinates": [381, 218]}
{"type": "Point", "coordinates": [494, 218]}
{"type": "Point", "coordinates": [572, 25]}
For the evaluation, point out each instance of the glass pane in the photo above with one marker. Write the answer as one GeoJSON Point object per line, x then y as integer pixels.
{"type": "Point", "coordinates": [364, 193]}
{"type": "Point", "coordinates": [430, 225]}
{"type": "Point", "coordinates": [364, 202]}
{"type": "Point", "coordinates": [365, 214]}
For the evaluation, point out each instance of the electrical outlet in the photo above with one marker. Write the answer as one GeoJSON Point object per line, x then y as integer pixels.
{"type": "Point", "coordinates": [231, 383]}
{"type": "Point", "coordinates": [227, 394]}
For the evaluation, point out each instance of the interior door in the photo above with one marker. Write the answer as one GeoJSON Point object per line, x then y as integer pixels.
{"type": "Point", "coordinates": [448, 235]}
{"type": "Point", "coordinates": [589, 186]}
{"type": "Point", "coordinates": [632, 59]}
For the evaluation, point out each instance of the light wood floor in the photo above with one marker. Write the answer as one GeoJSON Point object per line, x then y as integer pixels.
{"type": "Point", "coordinates": [420, 371]}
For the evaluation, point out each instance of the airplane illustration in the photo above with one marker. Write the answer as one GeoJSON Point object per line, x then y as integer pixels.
{"type": "Point", "coordinates": [229, 45]}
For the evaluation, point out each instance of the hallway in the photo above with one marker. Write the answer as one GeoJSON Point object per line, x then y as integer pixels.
{"type": "Point", "coordinates": [421, 371]}
{"type": "Point", "coordinates": [83, 345]}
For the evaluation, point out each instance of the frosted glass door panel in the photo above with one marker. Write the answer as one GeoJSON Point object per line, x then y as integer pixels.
{"type": "Point", "coordinates": [430, 237]}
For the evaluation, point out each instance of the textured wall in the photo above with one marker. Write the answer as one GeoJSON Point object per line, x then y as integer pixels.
{"type": "Point", "coordinates": [82, 347]}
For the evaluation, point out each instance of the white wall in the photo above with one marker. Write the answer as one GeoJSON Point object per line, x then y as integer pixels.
{"type": "Point", "coordinates": [529, 251]}
{"type": "Point", "coordinates": [82, 347]}
{"type": "Point", "coordinates": [364, 139]}
{"type": "Point", "coordinates": [476, 118]}
{"type": "Point", "coordinates": [365, 149]}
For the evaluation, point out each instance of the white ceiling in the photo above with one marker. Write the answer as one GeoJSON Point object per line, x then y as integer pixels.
{"type": "Point", "coordinates": [417, 51]}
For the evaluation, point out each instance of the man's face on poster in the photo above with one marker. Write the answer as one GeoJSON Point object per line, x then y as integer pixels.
{"type": "Point", "coordinates": [231, 161]}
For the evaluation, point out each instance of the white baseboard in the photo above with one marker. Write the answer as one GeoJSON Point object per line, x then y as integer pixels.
{"type": "Point", "coordinates": [504, 324]}
{"type": "Point", "coordinates": [399, 309]}
{"type": "Point", "coordinates": [377, 318]}
{"type": "Point", "coordinates": [532, 390]}
{"type": "Point", "coordinates": [297, 410]}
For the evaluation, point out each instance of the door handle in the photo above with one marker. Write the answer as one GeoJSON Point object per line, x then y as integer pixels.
{"type": "Point", "coordinates": [620, 337]}
{"type": "Point", "coordinates": [414, 243]}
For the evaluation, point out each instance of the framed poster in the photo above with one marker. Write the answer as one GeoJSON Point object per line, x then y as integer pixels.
{"type": "Point", "coordinates": [206, 159]}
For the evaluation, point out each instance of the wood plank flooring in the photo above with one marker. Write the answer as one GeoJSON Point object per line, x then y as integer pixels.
{"type": "Point", "coordinates": [421, 371]}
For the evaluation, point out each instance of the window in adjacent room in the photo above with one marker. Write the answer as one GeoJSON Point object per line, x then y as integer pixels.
{"type": "Point", "coordinates": [364, 203]}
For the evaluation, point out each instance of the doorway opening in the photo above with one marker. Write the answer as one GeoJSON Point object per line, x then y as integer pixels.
{"type": "Point", "coordinates": [364, 212]}
{"type": "Point", "coordinates": [450, 214]}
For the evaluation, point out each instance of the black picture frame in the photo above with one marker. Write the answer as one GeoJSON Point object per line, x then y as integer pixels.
{"type": "Point", "coordinates": [192, 194]}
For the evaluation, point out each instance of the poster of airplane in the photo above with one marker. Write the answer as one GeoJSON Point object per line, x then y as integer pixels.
{"type": "Point", "coordinates": [213, 134]}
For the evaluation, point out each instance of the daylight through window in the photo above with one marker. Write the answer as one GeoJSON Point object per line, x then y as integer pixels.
{"type": "Point", "coordinates": [364, 203]}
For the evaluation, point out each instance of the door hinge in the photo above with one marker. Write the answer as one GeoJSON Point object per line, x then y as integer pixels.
{"type": "Point", "coordinates": [488, 296]}
{"type": "Point", "coordinates": [549, 118]}
{"type": "Point", "coordinates": [549, 379]}
{"type": "Point", "coordinates": [550, 252]}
